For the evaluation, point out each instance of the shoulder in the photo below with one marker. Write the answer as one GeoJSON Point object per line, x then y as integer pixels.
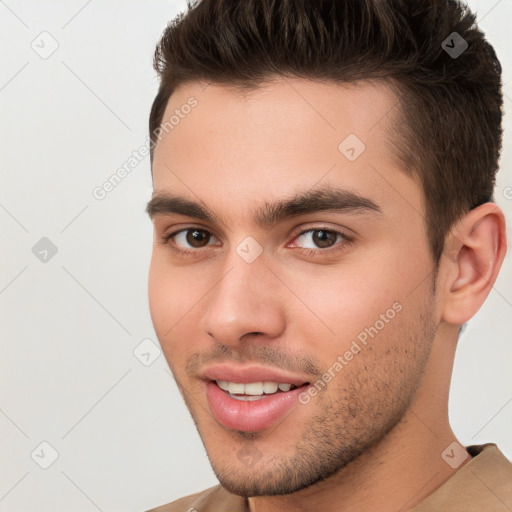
{"type": "Point", "coordinates": [484, 483]}
{"type": "Point", "coordinates": [214, 498]}
{"type": "Point", "coordinates": [185, 503]}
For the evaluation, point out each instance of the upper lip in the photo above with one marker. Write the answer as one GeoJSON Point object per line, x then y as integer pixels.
{"type": "Point", "coordinates": [252, 373]}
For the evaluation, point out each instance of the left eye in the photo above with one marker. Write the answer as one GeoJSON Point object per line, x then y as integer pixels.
{"type": "Point", "coordinates": [321, 238]}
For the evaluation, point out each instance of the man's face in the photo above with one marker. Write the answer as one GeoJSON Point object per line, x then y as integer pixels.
{"type": "Point", "coordinates": [337, 301]}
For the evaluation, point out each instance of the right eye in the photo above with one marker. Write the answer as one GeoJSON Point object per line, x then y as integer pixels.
{"type": "Point", "coordinates": [189, 239]}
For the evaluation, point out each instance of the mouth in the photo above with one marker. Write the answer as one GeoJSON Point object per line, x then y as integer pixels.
{"type": "Point", "coordinates": [251, 399]}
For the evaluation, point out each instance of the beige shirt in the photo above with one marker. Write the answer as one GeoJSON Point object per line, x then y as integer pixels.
{"type": "Point", "coordinates": [484, 484]}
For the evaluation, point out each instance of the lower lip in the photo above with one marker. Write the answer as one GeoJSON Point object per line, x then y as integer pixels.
{"type": "Point", "coordinates": [250, 416]}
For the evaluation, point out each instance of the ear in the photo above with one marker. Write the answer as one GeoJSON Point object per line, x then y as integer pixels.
{"type": "Point", "coordinates": [474, 251]}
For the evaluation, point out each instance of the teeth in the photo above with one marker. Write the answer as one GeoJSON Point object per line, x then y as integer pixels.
{"type": "Point", "coordinates": [252, 389]}
{"type": "Point", "coordinates": [223, 385]}
{"type": "Point", "coordinates": [236, 389]}
{"type": "Point", "coordinates": [246, 398]}
{"type": "Point", "coordinates": [270, 387]}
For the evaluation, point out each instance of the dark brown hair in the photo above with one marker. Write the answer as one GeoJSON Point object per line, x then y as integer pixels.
{"type": "Point", "coordinates": [447, 127]}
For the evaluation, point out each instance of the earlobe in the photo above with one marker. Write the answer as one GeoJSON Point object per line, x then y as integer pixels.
{"type": "Point", "coordinates": [474, 250]}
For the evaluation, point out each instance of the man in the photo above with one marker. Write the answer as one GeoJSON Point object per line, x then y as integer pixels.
{"type": "Point", "coordinates": [323, 175]}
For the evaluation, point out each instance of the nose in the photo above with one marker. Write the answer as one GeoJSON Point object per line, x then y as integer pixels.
{"type": "Point", "coordinates": [246, 300]}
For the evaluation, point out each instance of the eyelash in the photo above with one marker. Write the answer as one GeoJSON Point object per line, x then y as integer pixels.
{"type": "Point", "coordinates": [345, 241]}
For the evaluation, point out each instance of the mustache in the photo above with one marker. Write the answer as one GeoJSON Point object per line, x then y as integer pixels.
{"type": "Point", "coordinates": [263, 355]}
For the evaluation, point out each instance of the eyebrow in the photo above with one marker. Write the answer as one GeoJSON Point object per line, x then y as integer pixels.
{"type": "Point", "coordinates": [324, 199]}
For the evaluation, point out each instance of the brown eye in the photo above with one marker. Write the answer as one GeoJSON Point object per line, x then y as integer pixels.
{"type": "Point", "coordinates": [319, 238]}
{"type": "Point", "coordinates": [190, 239]}
{"type": "Point", "coordinates": [324, 238]}
{"type": "Point", "coordinates": [197, 237]}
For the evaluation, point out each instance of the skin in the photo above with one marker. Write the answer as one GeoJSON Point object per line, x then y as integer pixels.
{"type": "Point", "coordinates": [372, 440]}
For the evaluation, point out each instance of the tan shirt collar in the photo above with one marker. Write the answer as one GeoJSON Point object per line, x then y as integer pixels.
{"type": "Point", "coordinates": [484, 484]}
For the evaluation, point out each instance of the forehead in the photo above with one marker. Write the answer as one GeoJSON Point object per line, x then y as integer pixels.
{"type": "Point", "coordinates": [282, 138]}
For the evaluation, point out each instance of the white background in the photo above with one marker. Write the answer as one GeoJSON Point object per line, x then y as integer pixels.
{"type": "Point", "coordinates": [68, 375]}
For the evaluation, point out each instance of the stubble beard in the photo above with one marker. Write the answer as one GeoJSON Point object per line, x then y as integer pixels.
{"type": "Point", "coordinates": [357, 411]}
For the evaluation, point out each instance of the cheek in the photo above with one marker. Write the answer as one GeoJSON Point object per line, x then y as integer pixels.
{"type": "Point", "coordinates": [160, 301]}
{"type": "Point", "coordinates": [376, 360]}
{"type": "Point", "coordinates": [168, 299]}
{"type": "Point", "coordinates": [363, 298]}
{"type": "Point", "coordinates": [175, 302]}
{"type": "Point", "coordinates": [172, 292]}
{"type": "Point", "coordinates": [345, 300]}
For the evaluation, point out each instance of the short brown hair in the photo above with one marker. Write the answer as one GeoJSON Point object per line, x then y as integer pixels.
{"type": "Point", "coordinates": [450, 107]}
